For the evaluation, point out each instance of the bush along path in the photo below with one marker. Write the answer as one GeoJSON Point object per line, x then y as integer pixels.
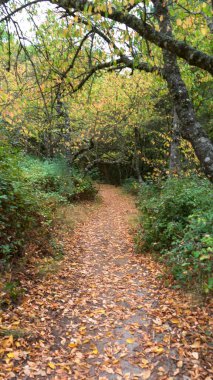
{"type": "Point", "coordinates": [106, 313]}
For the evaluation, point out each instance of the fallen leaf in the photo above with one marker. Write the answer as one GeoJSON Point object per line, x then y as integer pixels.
{"type": "Point", "coordinates": [146, 374]}
{"type": "Point", "coordinates": [195, 355]}
{"type": "Point", "coordinates": [7, 342]}
{"type": "Point", "coordinates": [144, 361]}
{"type": "Point", "coordinates": [157, 321]}
{"type": "Point", "coordinates": [72, 345]}
{"type": "Point", "coordinates": [130, 340]}
{"type": "Point", "coordinates": [180, 364]}
{"type": "Point", "coordinates": [196, 344]}
{"type": "Point", "coordinates": [11, 355]}
{"type": "Point", "coordinates": [158, 350]}
{"type": "Point", "coordinates": [174, 320]}
{"type": "Point", "coordinates": [51, 365]}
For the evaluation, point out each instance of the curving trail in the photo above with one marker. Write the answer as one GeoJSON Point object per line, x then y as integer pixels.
{"type": "Point", "coordinates": [106, 314]}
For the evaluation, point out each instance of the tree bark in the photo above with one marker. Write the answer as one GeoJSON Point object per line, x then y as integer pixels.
{"type": "Point", "coordinates": [136, 155]}
{"type": "Point", "coordinates": [174, 159]}
{"type": "Point", "coordinates": [190, 127]}
{"type": "Point", "coordinates": [62, 125]}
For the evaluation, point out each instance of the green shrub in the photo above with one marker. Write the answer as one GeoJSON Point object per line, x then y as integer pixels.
{"type": "Point", "coordinates": [54, 178]}
{"type": "Point", "coordinates": [18, 205]}
{"type": "Point", "coordinates": [131, 186]}
{"type": "Point", "coordinates": [190, 258]}
{"type": "Point", "coordinates": [13, 291]}
{"type": "Point", "coordinates": [30, 189]}
{"type": "Point", "coordinates": [177, 221]}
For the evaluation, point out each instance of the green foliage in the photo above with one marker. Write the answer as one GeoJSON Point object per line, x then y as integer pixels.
{"type": "Point", "coordinates": [83, 188]}
{"type": "Point", "coordinates": [131, 186]}
{"type": "Point", "coordinates": [190, 258]}
{"type": "Point", "coordinates": [177, 221]}
{"type": "Point", "coordinates": [19, 208]}
{"type": "Point", "coordinates": [54, 178]}
{"type": "Point", "coordinates": [13, 291]}
{"type": "Point", "coordinates": [30, 189]}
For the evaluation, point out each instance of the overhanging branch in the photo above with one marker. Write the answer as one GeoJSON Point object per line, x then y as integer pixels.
{"type": "Point", "coordinates": [180, 48]}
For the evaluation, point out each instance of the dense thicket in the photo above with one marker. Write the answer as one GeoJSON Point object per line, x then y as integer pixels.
{"type": "Point", "coordinates": [30, 190]}
{"type": "Point", "coordinates": [177, 221]}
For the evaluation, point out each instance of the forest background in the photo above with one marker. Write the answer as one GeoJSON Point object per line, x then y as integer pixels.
{"type": "Point", "coordinates": [119, 92]}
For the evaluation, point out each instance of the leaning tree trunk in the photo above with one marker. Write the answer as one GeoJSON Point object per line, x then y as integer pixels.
{"type": "Point", "coordinates": [174, 158]}
{"type": "Point", "coordinates": [190, 127]}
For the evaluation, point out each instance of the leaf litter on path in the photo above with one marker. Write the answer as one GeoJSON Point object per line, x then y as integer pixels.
{"type": "Point", "coordinates": [105, 314]}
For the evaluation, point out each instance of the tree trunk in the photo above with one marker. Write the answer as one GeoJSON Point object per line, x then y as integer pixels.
{"type": "Point", "coordinates": [137, 157]}
{"type": "Point", "coordinates": [174, 159]}
{"type": "Point", "coordinates": [63, 125]}
{"type": "Point", "coordinates": [190, 128]}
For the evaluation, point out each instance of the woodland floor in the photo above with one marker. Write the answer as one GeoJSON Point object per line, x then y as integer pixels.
{"type": "Point", "coordinates": [106, 313]}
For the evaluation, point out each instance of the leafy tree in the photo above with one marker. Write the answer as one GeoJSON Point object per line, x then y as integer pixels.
{"type": "Point", "coordinates": [157, 23]}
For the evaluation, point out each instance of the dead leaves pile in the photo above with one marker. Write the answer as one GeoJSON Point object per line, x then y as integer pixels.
{"type": "Point", "coordinates": [104, 314]}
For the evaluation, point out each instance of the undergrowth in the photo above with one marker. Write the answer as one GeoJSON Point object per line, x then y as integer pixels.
{"type": "Point", "coordinates": [30, 191]}
{"type": "Point", "coordinates": [176, 222]}
{"type": "Point", "coordinates": [131, 186]}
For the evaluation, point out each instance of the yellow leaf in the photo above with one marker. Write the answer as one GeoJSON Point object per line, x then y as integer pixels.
{"type": "Point", "coordinates": [175, 320]}
{"type": "Point", "coordinates": [109, 9]}
{"type": "Point", "coordinates": [2, 352]}
{"type": "Point", "coordinates": [204, 31]}
{"type": "Point", "coordinates": [73, 344]}
{"type": "Point", "coordinates": [158, 350]}
{"type": "Point", "coordinates": [65, 32]}
{"type": "Point", "coordinates": [144, 361]}
{"type": "Point", "coordinates": [8, 342]}
{"type": "Point", "coordinates": [196, 344]}
{"type": "Point", "coordinates": [95, 351]}
{"type": "Point", "coordinates": [98, 17]}
{"type": "Point", "coordinates": [10, 355]}
{"type": "Point", "coordinates": [89, 11]}
{"type": "Point", "coordinates": [100, 311]}
{"type": "Point", "coordinates": [179, 22]}
{"type": "Point", "coordinates": [16, 323]}
{"type": "Point", "coordinates": [51, 365]}
{"type": "Point", "coordinates": [130, 340]}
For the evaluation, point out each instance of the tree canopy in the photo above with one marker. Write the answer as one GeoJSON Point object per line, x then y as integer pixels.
{"type": "Point", "coordinates": [77, 40]}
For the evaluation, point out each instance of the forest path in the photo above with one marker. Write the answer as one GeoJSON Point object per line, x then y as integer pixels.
{"type": "Point", "coordinates": [105, 314]}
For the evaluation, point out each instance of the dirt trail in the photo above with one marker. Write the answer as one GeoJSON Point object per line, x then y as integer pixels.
{"type": "Point", "coordinates": [106, 315]}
